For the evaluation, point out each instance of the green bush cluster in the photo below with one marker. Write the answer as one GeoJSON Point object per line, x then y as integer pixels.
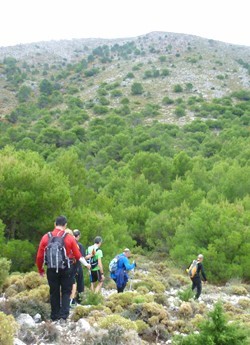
{"type": "Point", "coordinates": [111, 320]}
{"type": "Point", "coordinates": [29, 306]}
{"type": "Point", "coordinates": [216, 331]}
{"type": "Point", "coordinates": [151, 313]}
{"type": "Point", "coordinates": [4, 270]}
{"type": "Point", "coordinates": [8, 328]}
{"type": "Point", "coordinates": [134, 181]}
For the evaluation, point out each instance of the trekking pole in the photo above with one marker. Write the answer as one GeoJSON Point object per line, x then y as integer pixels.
{"type": "Point", "coordinates": [131, 278]}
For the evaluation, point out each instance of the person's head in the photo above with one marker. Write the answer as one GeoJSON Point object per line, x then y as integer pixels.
{"type": "Point", "coordinates": [61, 221]}
{"type": "Point", "coordinates": [200, 257]}
{"type": "Point", "coordinates": [127, 252]}
{"type": "Point", "coordinates": [77, 234]}
{"type": "Point", "coordinates": [98, 241]}
{"type": "Point", "coordinates": [69, 231]}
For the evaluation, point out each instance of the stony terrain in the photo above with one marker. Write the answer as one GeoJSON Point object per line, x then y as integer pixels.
{"type": "Point", "coordinates": [203, 67]}
{"type": "Point", "coordinates": [153, 310]}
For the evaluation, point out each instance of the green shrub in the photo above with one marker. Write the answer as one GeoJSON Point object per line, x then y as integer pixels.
{"type": "Point", "coordinates": [238, 290]}
{"type": "Point", "coordinates": [177, 88]}
{"type": "Point", "coordinates": [19, 263]}
{"type": "Point", "coordinates": [40, 294]}
{"type": "Point", "coordinates": [216, 331]}
{"type": "Point", "coordinates": [15, 281]}
{"type": "Point", "coordinates": [122, 299]}
{"type": "Point", "coordinates": [29, 306]}
{"type": "Point", "coordinates": [80, 312]}
{"type": "Point", "coordinates": [185, 310]}
{"type": "Point", "coordinates": [143, 299]}
{"type": "Point", "coordinates": [180, 111]}
{"type": "Point", "coordinates": [111, 320]}
{"type": "Point", "coordinates": [244, 303]}
{"type": "Point", "coordinates": [137, 89]}
{"type": "Point", "coordinates": [151, 284]}
{"type": "Point", "coordinates": [151, 313]}
{"type": "Point", "coordinates": [4, 270]}
{"type": "Point", "coordinates": [89, 297]}
{"type": "Point", "coordinates": [166, 100]}
{"type": "Point", "coordinates": [186, 295]}
{"type": "Point", "coordinates": [32, 280]}
{"type": "Point", "coordinates": [8, 328]}
{"type": "Point", "coordinates": [141, 326]}
{"type": "Point", "coordinates": [113, 336]}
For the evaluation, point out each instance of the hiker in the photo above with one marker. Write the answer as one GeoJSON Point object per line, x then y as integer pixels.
{"type": "Point", "coordinates": [57, 250]}
{"type": "Point", "coordinates": [78, 286]}
{"type": "Point", "coordinates": [196, 279]}
{"type": "Point", "coordinates": [96, 272]}
{"type": "Point", "coordinates": [120, 276]}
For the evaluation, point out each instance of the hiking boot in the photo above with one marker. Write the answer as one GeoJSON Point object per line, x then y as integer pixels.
{"type": "Point", "coordinates": [62, 322]}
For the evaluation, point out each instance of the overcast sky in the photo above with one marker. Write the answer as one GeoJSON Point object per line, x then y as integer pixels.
{"type": "Point", "coordinates": [23, 21]}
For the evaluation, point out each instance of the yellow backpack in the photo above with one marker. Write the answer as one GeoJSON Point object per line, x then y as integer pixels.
{"type": "Point", "coordinates": [191, 271]}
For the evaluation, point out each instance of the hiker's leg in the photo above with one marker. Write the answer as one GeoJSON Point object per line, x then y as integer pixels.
{"type": "Point", "coordinates": [80, 280]}
{"type": "Point", "coordinates": [93, 279]}
{"type": "Point", "coordinates": [73, 292]}
{"type": "Point", "coordinates": [54, 285]}
{"type": "Point", "coordinates": [99, 286]}
{"type": "Point", "coordinates": [199, 288]}
{"type": "Point", "coordinates": [193, 284]}
{"type": "Point", "coordinates": [67, 281]}
{"type": "Point", "coordinates": [100, 281]}
{"type": "Point", "coordinates": [121, 289]}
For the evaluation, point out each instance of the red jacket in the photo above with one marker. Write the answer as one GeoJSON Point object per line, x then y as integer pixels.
{"type": "Point", "coordinates": [70, 243]}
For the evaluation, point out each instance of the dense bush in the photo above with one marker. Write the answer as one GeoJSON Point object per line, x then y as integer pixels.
{"type": "Point", "coordinates": [216, 331]}
{"type": "Point", "coordinates": [7, 329]}
{"type": "Point", "coordinates": [4, 270]}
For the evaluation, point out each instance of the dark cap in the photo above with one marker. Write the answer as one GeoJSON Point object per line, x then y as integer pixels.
{"type": "Point", "coordinates": [76, 232]}
{"type": "Point", "coordinates": [98, 239]}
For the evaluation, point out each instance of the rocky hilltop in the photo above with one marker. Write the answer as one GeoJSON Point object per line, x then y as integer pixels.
{"type": "Point", "coordinates": [158, 60]}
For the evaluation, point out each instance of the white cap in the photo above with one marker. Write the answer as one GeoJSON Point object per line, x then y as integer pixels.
{"type": "Point", "coordinates": [126, 250]}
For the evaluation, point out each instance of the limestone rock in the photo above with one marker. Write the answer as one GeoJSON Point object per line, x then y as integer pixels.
{"type": "Point", "coordinates": [25, 319]}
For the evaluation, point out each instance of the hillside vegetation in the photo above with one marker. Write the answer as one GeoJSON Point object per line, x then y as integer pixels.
{"type": "Point", "coordinates": [143, 141]}
{"type": "Point", "coordinates": [93, 131]}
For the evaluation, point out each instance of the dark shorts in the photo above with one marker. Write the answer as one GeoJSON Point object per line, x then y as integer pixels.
{"type": "Point", "coordinates": [95, 276]}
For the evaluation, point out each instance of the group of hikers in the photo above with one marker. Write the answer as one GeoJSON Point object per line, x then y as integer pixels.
{"type": "Point", "coordinates": [64, 256]}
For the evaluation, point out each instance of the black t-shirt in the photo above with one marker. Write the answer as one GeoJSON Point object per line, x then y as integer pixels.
{"type": "Point", "coordinates": [200, 269]}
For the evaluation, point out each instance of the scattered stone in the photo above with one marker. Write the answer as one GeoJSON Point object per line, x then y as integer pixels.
{"type": "Point", "coordinates": [37, 318]}
{"type": "Point", "coordinates": [83, 325]}
{"type": "Point", "coordinates": [26, 319]}
{"type": "Point", "coordinates": [18, 342]}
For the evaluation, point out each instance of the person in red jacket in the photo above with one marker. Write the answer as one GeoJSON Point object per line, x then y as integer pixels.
{"type": "Point", "coordinates": [60, 279]}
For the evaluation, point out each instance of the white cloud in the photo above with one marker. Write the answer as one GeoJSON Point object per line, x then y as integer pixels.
{"type": "Point", "coordinates": [35, 20]}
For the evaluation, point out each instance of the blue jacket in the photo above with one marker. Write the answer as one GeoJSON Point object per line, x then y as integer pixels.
{"type": "Point", "coordinates": [121, 276]}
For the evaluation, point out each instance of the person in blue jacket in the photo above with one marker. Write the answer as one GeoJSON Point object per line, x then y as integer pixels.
{"type": "Point", "coordinates": [120, 276]}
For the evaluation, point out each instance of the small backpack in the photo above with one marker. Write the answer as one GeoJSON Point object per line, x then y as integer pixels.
{"type": "Point", "coordinates": [113, 265]}
{"type": "Point", "coordinates": [192, 269]}
{"type": "Point", "coordinates": [55, 253]}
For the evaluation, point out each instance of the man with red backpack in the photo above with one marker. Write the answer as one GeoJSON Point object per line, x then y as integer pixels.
{"type": "Point", "coordinates": [59, 250]}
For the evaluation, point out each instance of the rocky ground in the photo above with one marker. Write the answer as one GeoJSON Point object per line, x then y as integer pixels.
{"type": "Point", "coordinates": [156, 306]}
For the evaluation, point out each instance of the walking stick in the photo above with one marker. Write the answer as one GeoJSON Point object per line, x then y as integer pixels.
{"type": "Point", "coordinates": [131, 278]}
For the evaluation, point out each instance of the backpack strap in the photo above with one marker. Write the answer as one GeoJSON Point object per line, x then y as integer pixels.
{"type": "Point", "coordinates": [64, 235]}
{"type": "Point", "coordinates": [50, 234]}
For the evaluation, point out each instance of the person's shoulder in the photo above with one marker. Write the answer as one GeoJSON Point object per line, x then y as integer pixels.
{"type": "Point", "coordinates": [45, 237]}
